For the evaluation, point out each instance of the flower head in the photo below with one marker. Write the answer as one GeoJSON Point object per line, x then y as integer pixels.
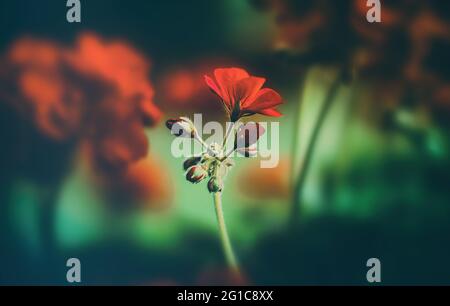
{"type": "Point", "coordinates": [242, 94]}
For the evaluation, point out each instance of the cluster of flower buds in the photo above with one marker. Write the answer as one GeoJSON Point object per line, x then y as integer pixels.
{"type": "Point", "coordinates": [215, 162]}
{"type": "Point", "coordinates": [199, 168]}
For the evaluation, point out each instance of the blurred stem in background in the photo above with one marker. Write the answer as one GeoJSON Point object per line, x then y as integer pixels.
{"type": "Point", "coordinates": [295, 150]}
{"type": "Point", "coordinates": [48, 215]}
{"type": "Point", "coordinates": [299, 178]}
{"type": "Point", "coordinates": [226, 244]}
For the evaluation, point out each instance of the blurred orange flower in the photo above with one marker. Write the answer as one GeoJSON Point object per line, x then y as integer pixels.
{"type": "Point", "coordinates": [265, 183]}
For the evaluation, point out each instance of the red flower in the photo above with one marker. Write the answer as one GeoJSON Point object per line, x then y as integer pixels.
{"type": "Point", "coordinates": [242, 94]}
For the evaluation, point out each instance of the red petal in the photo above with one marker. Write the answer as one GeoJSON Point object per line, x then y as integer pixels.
{"type": "Point", "coordinates": [226, 78]}
{"type": "Point", "coordinates": [211, 84]}
{"type": "Point", "coordinates": [266, 98]}
{"type": "Point", "coordinates": [247, 89]}
{"type": "Point", "coordinates": [271, 112]}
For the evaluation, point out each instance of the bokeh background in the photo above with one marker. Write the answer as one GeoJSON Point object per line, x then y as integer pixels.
{"type": "Point", "coordinates": [86, 169]}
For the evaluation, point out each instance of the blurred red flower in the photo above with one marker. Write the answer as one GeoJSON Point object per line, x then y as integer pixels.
{"type": "Point", "coordinates": [242, 94]}
{"type": "Point", "coordinates": [95, 95]}
{"type": "Point", "coordinates": [97, 91]}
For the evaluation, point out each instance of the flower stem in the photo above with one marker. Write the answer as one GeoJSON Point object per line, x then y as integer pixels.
{"type": "Point", "coordinates": [227, 134]}
{"type": "Point", "coordinates": [226, 244]}
{"type": "Point", "coordinates": [296, 135]}
{"type": "Point", "coordinates": [201, 141]}
{"type": "Point", "coordinates": [306, 162]}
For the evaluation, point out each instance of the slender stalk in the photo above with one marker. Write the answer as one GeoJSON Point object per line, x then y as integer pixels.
{"type": "Point", "coordinates": [228, 154]}
{"type": "Point", "coordinates": [303, 172]}
{"type": "Point", "coordinates": [200, 140]}
{"type": "Point", "coordinates": [227, 134]}
{"type": "Point", "coordinates": [226, 244]}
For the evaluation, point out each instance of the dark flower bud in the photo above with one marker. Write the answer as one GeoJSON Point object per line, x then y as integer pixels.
{"type": "Point", "coordinates": [215, 184]}
{"type": "Point", "coordinates": [191, 162]}
{"type": "Point", "coordinates": [250, 151]}
{"type": "Point", "coordinates": [248, 134]}
{"type": "Point", "coordinates": [196, 174]}
{"type": "Point", "coordinates": [181, 127]}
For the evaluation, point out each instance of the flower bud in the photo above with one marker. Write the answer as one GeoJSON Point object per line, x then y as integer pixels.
{"type": "Point", "coordinates": [248, 134]}
{"type": "Point", "coordinates": [196, 174]}
{"type": "Point", "coordinates": [181, 127]}
{"type": "Point", "coordinates": [250, 151]}
{"type": "Point", "coordinates": [215, 185]}
{"type": "Point", "coordinates": [192, 161]}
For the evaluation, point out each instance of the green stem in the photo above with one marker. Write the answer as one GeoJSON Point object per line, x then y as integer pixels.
{"type": "Point", "coordinates": [227, 134]}
{"type": "Point", "coordinates": [301, 178]}
{"type": "Point", "coordinates": [297, 129]}
{"type": "Point", "coordinates": [226, 244]}
{"type": "Point", "coordinates": [200, 140]}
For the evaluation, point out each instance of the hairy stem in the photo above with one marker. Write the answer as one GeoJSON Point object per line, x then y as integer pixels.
{"type": "Point", "coordinates": [226, 244]}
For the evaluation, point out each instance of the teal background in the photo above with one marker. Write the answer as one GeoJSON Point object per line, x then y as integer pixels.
{"type": "Point", "coordinates": [377, 186]}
